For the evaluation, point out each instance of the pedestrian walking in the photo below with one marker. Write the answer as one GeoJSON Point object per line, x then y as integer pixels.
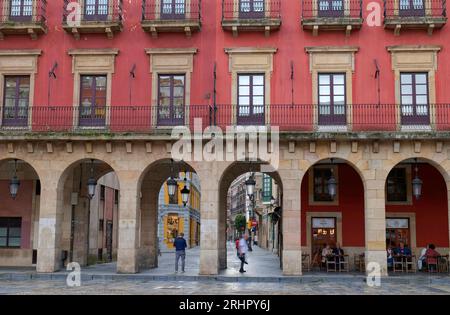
{"type": "Point", "coordinates": [180, 251]}
{"type": "Point", "coordinates": [243, 250]}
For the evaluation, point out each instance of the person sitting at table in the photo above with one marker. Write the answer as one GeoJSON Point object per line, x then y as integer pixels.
{"type": "Point", "coordinates": [326, 253]}
{"type": "Point", "coordinates": [390, 256]}
{"type": "Point", "coordinates": [431, 256]}
{"type": "Point", "coordinates": [403, 250]}
{"type": "Point", "coordinates": [422, 259]}
{"type": "Point", "coordinates": [338, 252]}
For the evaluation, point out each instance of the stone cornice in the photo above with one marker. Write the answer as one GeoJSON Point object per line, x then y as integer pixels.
{"type": "Point", "coordinates": [331, 49]}
{"type": "Point", "coordinates": [169, 51]}
{"type": "Point", "coordinates": [251, 50]}
{"type": "Point", "coordinates": [409, 48]}
{"type": "Point", "coordinates": [21, 52]}
{"type": "Point", "coordinates": [108, 51]}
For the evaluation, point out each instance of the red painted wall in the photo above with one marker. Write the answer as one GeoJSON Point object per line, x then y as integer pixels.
{"type": "Point", "coordinates": [430, 209]}
{"type": "Point", "coordinates": [20, 207]}
{"type": "Point", "coordinates": [351, 204]}
{"type": "Point", "coordinates": [211, 41]}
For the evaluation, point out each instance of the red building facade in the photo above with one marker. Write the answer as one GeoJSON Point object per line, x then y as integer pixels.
{"type": "Point", "coordinates": [368, 74]}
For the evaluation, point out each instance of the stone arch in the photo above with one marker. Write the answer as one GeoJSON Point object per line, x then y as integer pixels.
{"type": "Point", "coordinates": [229, 174]}
{"type": "Point", "coordinates": [149, 184]}
{"type": "Point", "coordinates": [24, 208]}
{"type": "Point", "coordinates": [442, 167]}
{"type": "Point", "coordinates": [342, 208]}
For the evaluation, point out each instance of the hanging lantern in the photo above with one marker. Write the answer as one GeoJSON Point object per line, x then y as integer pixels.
{"type": "Point", "coordinates": [332, 183]}
{"type": "Point", "coordinates": [185, 192]}
{"type": "Point", "coordinates": [91, 182]}
{"type": "Point", "coordinates": [417, 184]}
{"type": "Point", "coordinates": [172, 186]}
{"type": "Point", "coordinates": [14, 183]}
{"type": "Point", "coordinates": [250, 185]}
{"type": "Point", "coordinates": [273, 201]}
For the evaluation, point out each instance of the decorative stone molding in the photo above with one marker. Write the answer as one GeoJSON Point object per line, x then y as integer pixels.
{"type": "Point", "coordinates": [19, 62]}
{"type": "Point", "coordinates": [326, 59]}
{"type": "Point", "coordinates": [415, 58]}
{"type": "Point", "coordinates": [250, 60]}
{"type": "Point", "coordinates": [171, 61]}
{"type": "Point", "coordinates": [92, 62]}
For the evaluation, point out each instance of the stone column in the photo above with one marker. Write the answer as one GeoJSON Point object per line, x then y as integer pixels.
{"type": "Point", "coordinates": [209, 219]}
{"type": "Point", "coordinates": [50, 221]}
{"type": "Point", "coordinates": [291, 222]}
{"type": "Point", "coordinates": [148, 256]}
{"type": "Point", "coordinates": [375, 217]}
{"type": "Point", "coordinates": [129, 224]}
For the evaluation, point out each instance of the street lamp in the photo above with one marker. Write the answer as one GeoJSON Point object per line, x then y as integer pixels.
{"type": "Point", "coordinates": [91, 183]}
{"type": "Point", "coordinates": [417, 184]}
{"type": "Point", "coordinates": [272, 201]}
{"type": "Point", "coordinates": [185, 192]}
{"type": "Point", "coordinates": [172, 185]}
{"type": "Point", "coordinates": [14, 183]}
{"type": "Point", "coordinates": [250, 184]}
{"type": "Point", "coordinates": [332, 183]}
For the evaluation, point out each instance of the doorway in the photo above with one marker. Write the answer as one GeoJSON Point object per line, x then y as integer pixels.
{"type": "Point", "coordinates": [323, 232]}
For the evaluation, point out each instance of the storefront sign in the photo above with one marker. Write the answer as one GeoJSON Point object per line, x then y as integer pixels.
{"type": "Point", "coordinates": [397, 223]}
{"type": "Point", "coordinates": [318, 223]}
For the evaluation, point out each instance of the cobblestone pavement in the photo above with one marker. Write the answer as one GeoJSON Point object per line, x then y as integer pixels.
{"type": "Point", "coordinates": [213, 288]}
{"type": "Point", "coordinates": [261, 264]}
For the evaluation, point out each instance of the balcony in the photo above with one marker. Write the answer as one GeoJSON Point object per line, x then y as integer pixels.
{"type": "Point", "coordinates": [23, 17]}
{"type": "Point", "coordinates": [310, 120]}
{"type": "Point", "coordinates": [181, 16]}
{"type": "Point", "coordinates": [92, 19]}
{"type": "Point", "coordinates": [414, 14]}
{"type": "Point", "coordinates": [251, 15]}
{"type": "Point", "coordinates": [338, 15]}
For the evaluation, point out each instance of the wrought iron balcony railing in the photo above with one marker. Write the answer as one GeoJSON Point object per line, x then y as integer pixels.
{"type": "Point", "coordinates": [105, 17]}
{"type": "Point", "coordinates": [251, 15]}
{"type": "Point", "coordinates": [23, 17]}
{"type": "Point", "coordinates": [427, 14]}
{"type": "Point", "coordinates": [171, 16]}
{"type": "Point", "coordinates": [332, 15]}
{"type": "Point", "coordinates": [297, 118]}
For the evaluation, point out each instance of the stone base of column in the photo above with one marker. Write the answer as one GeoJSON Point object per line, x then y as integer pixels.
{"type": "Point", "coordinates": [48, 261]}
{"type": "Point", "coordinates": [292, 262]}
{"type": "Point", "coordinates": [127, 261]}
{"type": "Point", "coordinates": [209, 262]}
{"type": "Point", "coordinates": [376, 259]}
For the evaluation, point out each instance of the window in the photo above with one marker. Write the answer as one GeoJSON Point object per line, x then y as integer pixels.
{"type": "Point", "coordinates": [171, 100]}
{"type": "Point", "coordinates": [16, 100]}
{"type": "Point", "coordinates": [414, 98]}
{"type": "Point", "coordinates": [93, 100]}
{"type": "Point", "coordinates": [96, 10]}
{"type": "Point", "coordinates": [102, 192]}
{"type": "Point", "coordinates": [332, 99]}
{"type": "Point", "coordinates": [251, 99]}
{"type": "Point", "coordinates": [21, 10]}
{"type": "Point", "coordinates": [397, 186]}
{"type": "Point", "coordinates": [331, 8]}
{"type": "Point", "coordinates": [10, 232]}
{"type": "Point", "coordinates": [173, 9]}
{"type": "Point", "coordinates": [267, 188]}
{"type": "Point", "coordinates": [412, 8]}
{"type": "Point", "coordinates": [251, 8]}
{"type": "Point", "coordinates": [321, 177]}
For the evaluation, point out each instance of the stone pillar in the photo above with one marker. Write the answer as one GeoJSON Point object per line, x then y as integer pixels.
{"type": "Point", "coordinates": [209, 218]}
{"type": "Point", "coordinates": [129, 224]}
{"type": "Point", "coordinates": [148, 256]}
{"type": "Point", "coordinates": [223, 229]}
{"type": "Point", "coordinates": [291, 222]}
{"type": "Point", "coordinates": [375, 220]}
{"type": "Point", "coordinates": [50, 221]}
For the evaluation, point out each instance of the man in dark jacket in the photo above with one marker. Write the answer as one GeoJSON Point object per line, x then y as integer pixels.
{"type": "Point", "coordinates": [180, 248]}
